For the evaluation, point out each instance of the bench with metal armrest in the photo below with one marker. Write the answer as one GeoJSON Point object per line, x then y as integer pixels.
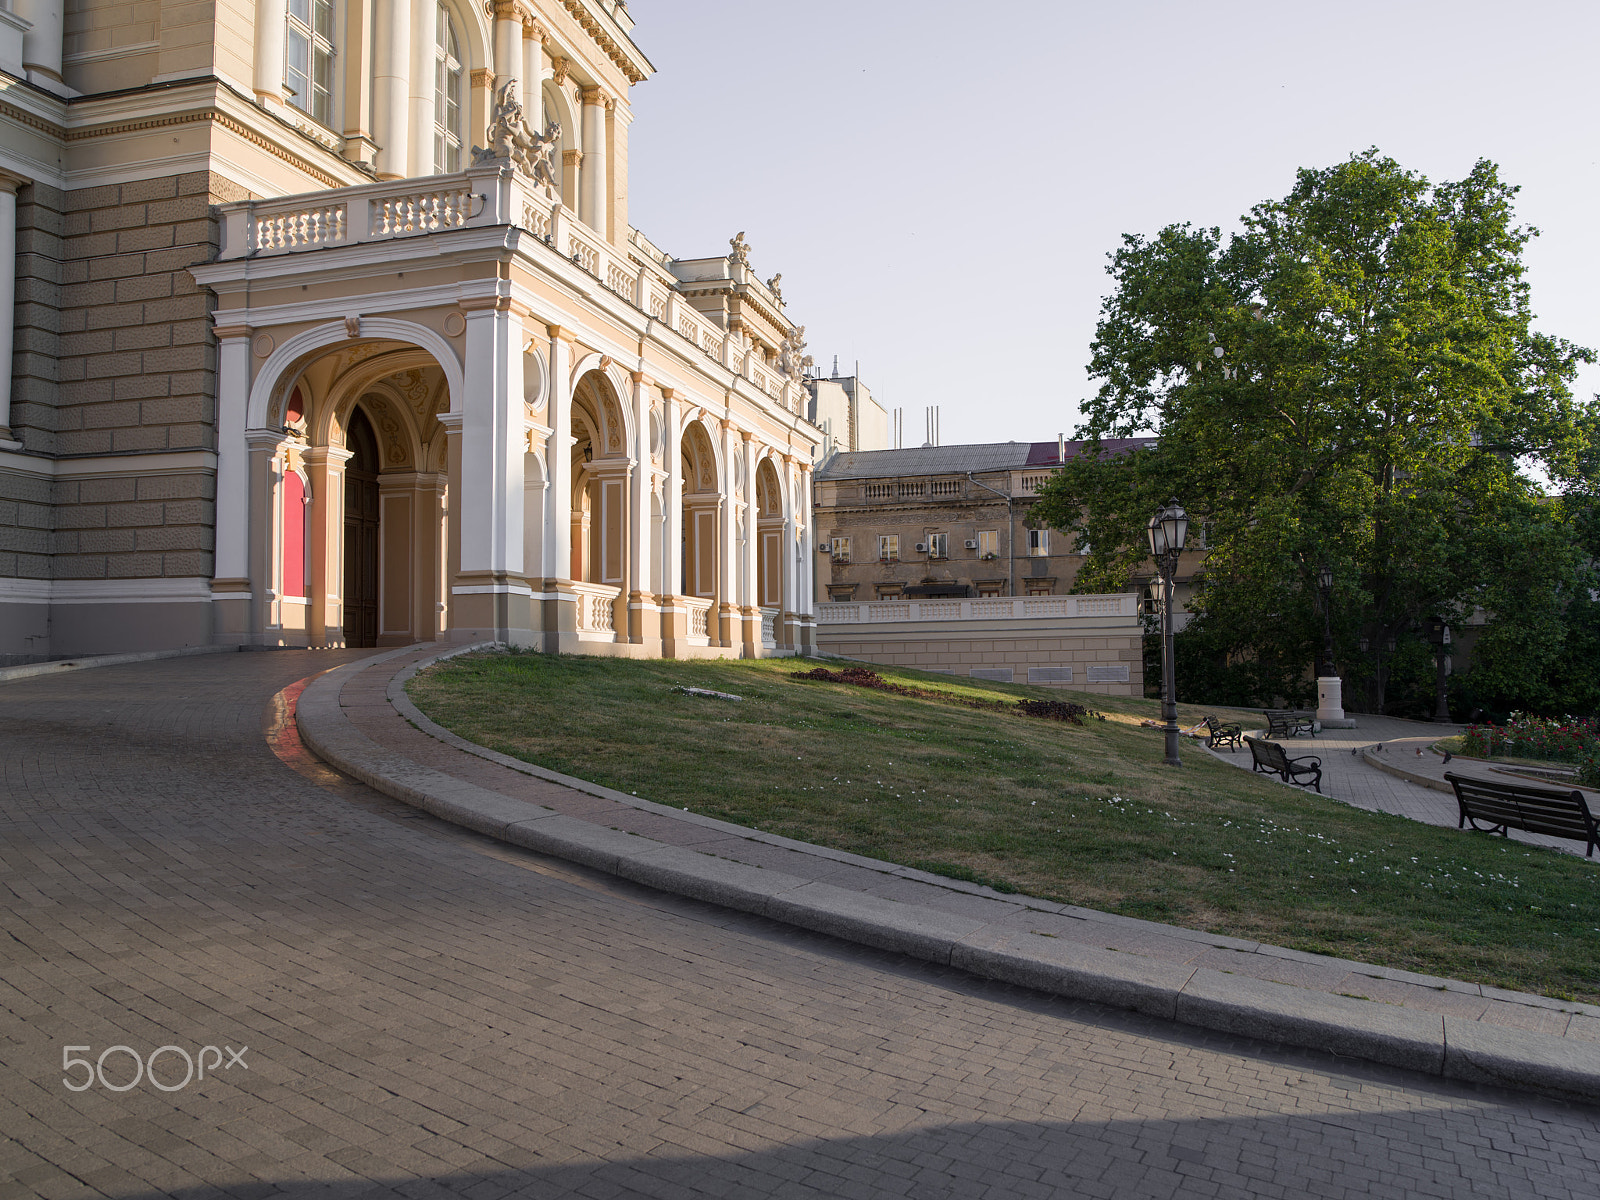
{"type": "Point", "coordinates": [1283, 723]}
{"type": "Point", "coordinates": [1501, 806]}
{"type": "Point", "coordinates": [1270, 759]}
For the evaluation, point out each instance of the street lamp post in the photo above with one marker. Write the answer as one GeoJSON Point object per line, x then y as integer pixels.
{"type": "Point", "coordinates": [1168, 530]}
{"type": "Point", "coordinates": [1439, 635]}
{"type": "Point", "coordinates": [1325, 582]}
{"type": "Point", "coordinates": [1330, 688]}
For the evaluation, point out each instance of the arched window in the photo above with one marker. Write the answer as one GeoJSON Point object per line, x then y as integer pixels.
{"type": "Point", "coordinates": [308, 72]}
{"type": "Point", "coordinates": [447, 97]}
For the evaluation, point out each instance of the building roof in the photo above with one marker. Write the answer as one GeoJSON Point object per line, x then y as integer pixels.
{"type": "Point", "coordinates": [949, 460]}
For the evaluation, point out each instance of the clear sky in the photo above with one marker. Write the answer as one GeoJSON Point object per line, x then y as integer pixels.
{"type": "Point", "coordinates": [940, 183]}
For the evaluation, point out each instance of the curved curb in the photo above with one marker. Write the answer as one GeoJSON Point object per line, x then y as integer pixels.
{"type": "Point", "coordinates": [1208, 999]}
{"type": "Point", "coordinates": [1388, 768]}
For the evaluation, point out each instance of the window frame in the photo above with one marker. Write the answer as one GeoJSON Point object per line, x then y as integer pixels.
{"type": "Point", "coordinates": [888, 547]}
{"type": "Point", "coordinates": [1038, 543]}
{"type": "Point", "coordinates": [319, 101]}
{"type": "Point", "coordinates": [938, 545]}
{"type": "Point", "coordinates": [447, 108]}
{"type": "Point", "coordinates": [991, 537]}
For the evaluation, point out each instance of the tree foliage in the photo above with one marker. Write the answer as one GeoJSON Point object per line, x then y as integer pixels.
{"type": "Point", "coordinates": [1351, 379]}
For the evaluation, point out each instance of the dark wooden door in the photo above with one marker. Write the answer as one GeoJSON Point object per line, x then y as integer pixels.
{"type": "Point", "coordinates": [361, 535]}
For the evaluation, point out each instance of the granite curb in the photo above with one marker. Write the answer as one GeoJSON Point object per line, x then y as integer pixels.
{"type": "Point", "coordinates": [1389, 768]}
{"type": "Point", "coordinates": [1472, 1051]}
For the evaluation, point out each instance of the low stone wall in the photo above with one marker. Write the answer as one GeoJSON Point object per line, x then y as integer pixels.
{"type": "Point", "coordinates": [1101, 654]}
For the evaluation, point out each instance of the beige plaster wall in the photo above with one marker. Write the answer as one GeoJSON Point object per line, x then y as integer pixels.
{"type": "Point", "coordinates": [962, 651]}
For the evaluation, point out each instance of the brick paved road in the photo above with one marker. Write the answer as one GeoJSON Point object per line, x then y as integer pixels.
{"type": "Point", "coordinates": [428, 1013]}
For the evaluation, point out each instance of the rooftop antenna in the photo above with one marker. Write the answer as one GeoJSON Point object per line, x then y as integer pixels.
{"type": "Point", "coordinates": [835, 374]}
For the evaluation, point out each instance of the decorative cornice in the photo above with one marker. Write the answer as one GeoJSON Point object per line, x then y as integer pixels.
{"type": "Point", "coordinates": [23, 117]}
{"type": "Point", "coordinates": [604, 40]}
{"type": "Point", "coordinates": [593, 95]}
{"type": "Point", "coordinates": [214, 117]}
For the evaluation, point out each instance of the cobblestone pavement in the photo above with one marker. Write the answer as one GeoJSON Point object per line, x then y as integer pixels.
{"type": "Point", "coordinates": [430, 1013]}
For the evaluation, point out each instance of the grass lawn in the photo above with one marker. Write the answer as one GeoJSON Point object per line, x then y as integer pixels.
{"type": "Point", "coordinates": [1085, 815]}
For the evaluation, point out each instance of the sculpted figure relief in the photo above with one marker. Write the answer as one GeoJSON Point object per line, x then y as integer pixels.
{"type": "Point", "coordinates": [790, 361]}
{"type": "Point", "coordinates": [741, 249]}
{"type": "Point", "coordinates": [509, 137]}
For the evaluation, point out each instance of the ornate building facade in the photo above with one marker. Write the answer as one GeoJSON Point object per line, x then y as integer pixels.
{"type": "Point", "coordinates": [297, 361]}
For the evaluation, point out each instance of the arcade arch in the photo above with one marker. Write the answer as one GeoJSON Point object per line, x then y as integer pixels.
{"type": "Point", "coordinates": [357, 540]}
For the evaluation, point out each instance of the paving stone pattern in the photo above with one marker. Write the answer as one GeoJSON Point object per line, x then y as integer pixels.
{"type": "Point", "coordinates": [431, 1013]}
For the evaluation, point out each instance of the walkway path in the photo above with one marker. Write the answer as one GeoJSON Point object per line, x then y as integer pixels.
{"type": "Point", "coordinates": [1351, 772]}
{"type": "Point", "coordinates": [429, 1012]}
{"type": "Point", "coordinates": [361, 719]}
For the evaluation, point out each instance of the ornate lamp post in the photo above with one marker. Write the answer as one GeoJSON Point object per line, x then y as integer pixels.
{"type": "Point", "coordinates": [1168, 530]}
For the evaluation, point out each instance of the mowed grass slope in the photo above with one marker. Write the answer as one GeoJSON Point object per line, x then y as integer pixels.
{"type": "Point", "coordinates": [1085, 815]}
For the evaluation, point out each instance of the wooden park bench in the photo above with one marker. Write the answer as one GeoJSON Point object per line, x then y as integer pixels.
{"type": "Point", "coordinates": [1501, 806]}
{"type": "Point", "coordinates": [1271, 760]}
{"type": "Point", "coordinates": [1283, 723]}
{"type": "Point", "coordinates": [1221, 734]}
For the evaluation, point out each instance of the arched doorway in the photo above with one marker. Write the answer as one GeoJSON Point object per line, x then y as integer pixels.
{"type": "Point", "coordinates": [701, 512]}
{"type": "Point", "coordinates": [359, 588]}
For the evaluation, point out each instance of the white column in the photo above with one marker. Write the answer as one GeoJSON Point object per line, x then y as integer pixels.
{"type": "Point", "coordinates": [533, 35]}
{"type": "Point", "coordinates": [790, 568]}
{"type": "Point", "coordinates": [233, 454]}
{"type": "Point", "coordinates": [749, 595]}
{"type": "Point", "coordinates": [41, 45]}
{"type": "Point", "coordinates": [272, 28]}
{"type": "Point", "coordinates": [640, 533]}
{"type": "Point", "coordinates": [593, 191]}
{"type": "Point", "coordinates": [558, 461]}
{"type": "Point", "coordinates": [728, 539]}
{"type": "Point", "coordinates": [424, 54]}
{"type": "Point", "coordinates": [8, 297]}
{"type": "Point", "coordinates": [672, 461]}
{"type": "Point", "coordinates": [391, 87]}
{"type": "Point", "coordinates": [490, 488]}
{"type": "Point", "coordinates": [507, 43]}
{"type": "Point", "coordinates": [808, 547]}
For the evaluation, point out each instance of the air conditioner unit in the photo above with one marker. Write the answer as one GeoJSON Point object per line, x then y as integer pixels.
{"type": "Point", "coordinates": [922, 547]}
{"type": "Point", "coordinates": [971, 544]}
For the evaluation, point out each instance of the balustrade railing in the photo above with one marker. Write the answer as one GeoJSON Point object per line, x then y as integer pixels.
{"type": "Point", "coordinates": [479, 197]}
{"type": "Point", "coordinates": [699, 620]}
{"type": "Point", "coordinates": [596, 610]}
{"type": "Point", "coordinates": [769, 628]}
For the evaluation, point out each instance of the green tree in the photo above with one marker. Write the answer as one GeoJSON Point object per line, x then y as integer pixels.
{"type": "Point", "coordinates": [1352, 379]}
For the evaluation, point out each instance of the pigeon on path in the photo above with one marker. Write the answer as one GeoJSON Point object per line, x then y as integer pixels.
{"type": "Point", "coordinates": [1448, 756]}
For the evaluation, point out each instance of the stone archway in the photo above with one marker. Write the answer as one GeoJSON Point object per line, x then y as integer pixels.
{"type": "Point", "coordinates": [353, 543]}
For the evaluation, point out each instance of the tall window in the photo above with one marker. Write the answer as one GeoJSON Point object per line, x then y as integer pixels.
{"type": "Point", "coordinates": [1039, 543]}
{"type": "Point", "coordinates": [988, 543]}
{"type": "Point", "coordinates": [447, 97]}
{"type": "Point", "coordinates": [309, 71]}
{"type": "Point", "coordinates": [938, 545]}
{"type": "Point", "coordinates": [889, 547]}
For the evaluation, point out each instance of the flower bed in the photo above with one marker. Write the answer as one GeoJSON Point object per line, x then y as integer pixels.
{"type": "Point", "coordinates": [1572, 740]}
